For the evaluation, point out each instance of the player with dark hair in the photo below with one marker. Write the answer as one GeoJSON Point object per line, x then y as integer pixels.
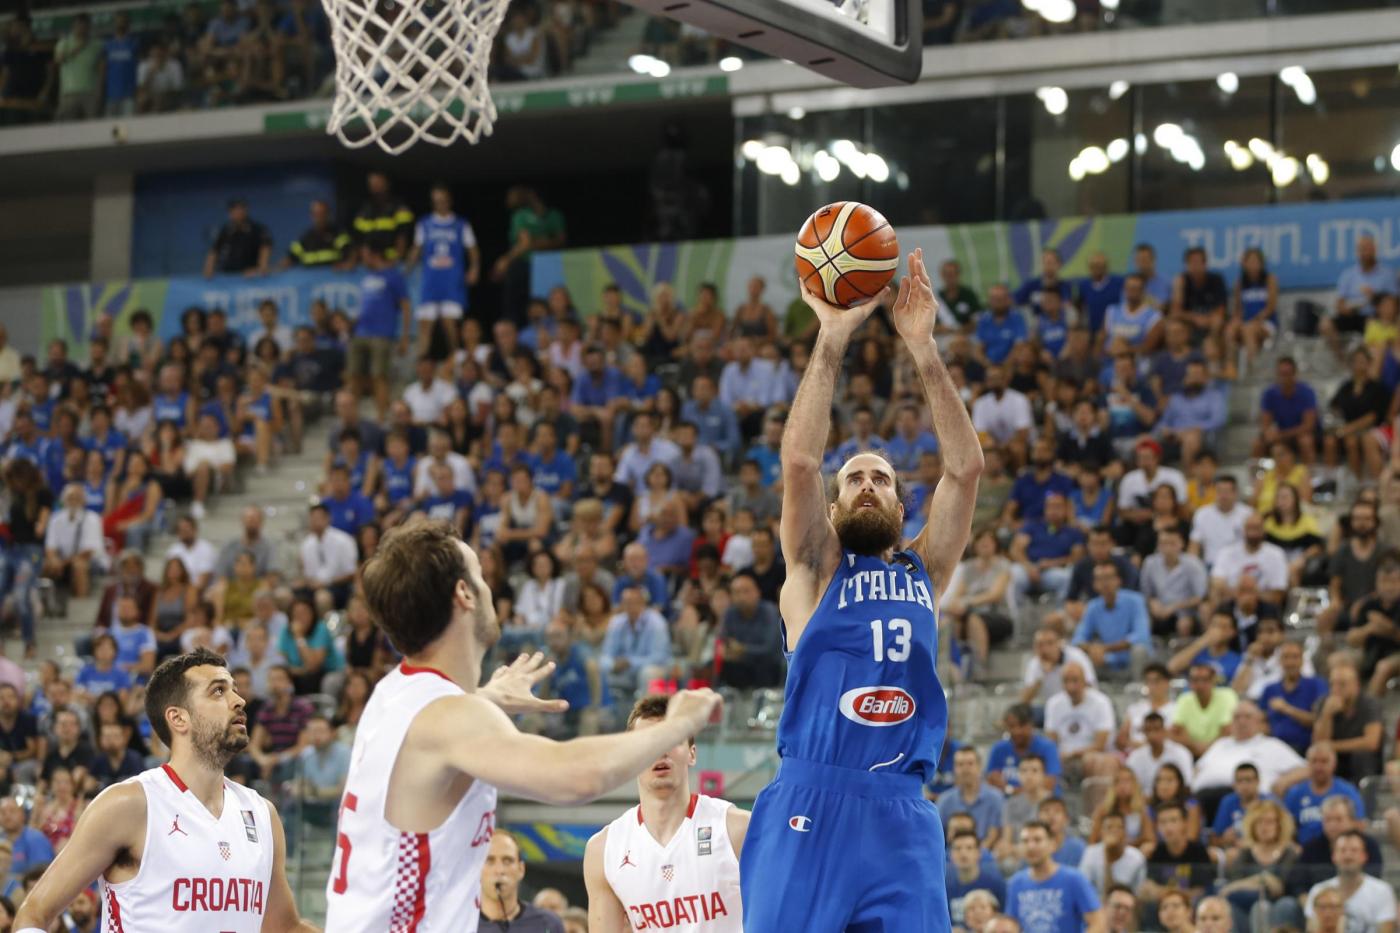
{"type": "Point", "coordinates": [843, 838]}
{"type": "Point", "coordinates": [672, 861]}
{"type": "Point", "coordinates": [431, 748]}
{"type": "Point", "coordinates": [179, 848]}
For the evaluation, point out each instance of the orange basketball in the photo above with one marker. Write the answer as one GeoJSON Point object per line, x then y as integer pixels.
{"type": "Point", "coordinates": [846, 253]}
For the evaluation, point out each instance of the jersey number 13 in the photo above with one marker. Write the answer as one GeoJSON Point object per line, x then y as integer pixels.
{"type": "Point", "coordinates": [899, 636]}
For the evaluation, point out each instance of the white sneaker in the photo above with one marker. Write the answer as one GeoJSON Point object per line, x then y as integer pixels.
{"type": "Point", "coordinates": [197, 510]}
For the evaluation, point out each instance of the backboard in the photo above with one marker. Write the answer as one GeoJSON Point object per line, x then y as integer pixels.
{"type": "Point", "coordinates": [863, 43]}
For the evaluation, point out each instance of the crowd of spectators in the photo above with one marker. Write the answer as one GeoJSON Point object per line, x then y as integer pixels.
{"type": "Point", "coordinates": [139, 61]}
{"type": "Point", "coordinates": [617, 469]}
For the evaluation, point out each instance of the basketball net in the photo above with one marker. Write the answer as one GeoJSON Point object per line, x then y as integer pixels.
{"type": "Point", "coordinates": [412, 71]}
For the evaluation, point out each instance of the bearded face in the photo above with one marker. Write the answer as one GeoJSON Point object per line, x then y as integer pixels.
{"type": "Point", "coordinates": [867, 514]}
{"type": "Point", "coordinates": [218, 741]}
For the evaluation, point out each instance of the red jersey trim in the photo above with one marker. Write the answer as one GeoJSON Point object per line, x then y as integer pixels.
{"type": "Point", "coordinates": [114, 911]}
{"type": "Point", "coordinates": [174, 778]}
{"type": "Point", "coordinates": [689, 810]}
{"type": "Point", "coordinates": [410, 670]}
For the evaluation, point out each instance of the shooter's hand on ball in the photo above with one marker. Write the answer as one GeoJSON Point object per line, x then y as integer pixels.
{"type": "Point", "coordinates": [511, 686]}
{"type": "Point", "coordinates": [916, 308]}
{"type": "Point", "coordinates": [841, 322]}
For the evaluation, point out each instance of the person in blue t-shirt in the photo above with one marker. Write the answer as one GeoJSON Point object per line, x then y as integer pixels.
{"type": "Point", "coordinates": [1288, 702]}
{"type": "Point", "coordinates": [1097, 293]}
{"type": "Point", "coordinates": [1304, 800]}
{"type": "Point", "coordinates": [1157, 287]}
{"type": "Point", "coordinates": [1288, 413]}
{"type": "Point", "coordinates": [1033, 484]}
{"type": "Point", "coordinates": [1228, 829]}
{"type": "Point", "coordinates": [1069, 846]}
{"type": "Point", "coordinates": [1115, 629]}
{"type": "Point", "coordinates": [101, 674]}
{"type": "Point", "coordinates": [553, 470]}
{"type": "Point", "coordinates": [575, 679]}
{"type": "Point", "coordinates": [973, 795]}
{"type": "Point", "coordinates": [1032, 292]}
{"type": "Point", "coordinates": [121, 54]}
{"type": "Point", "coordinates": [1047, 897]}
{"type": "Point", "coordinates": [909, 442]}
{"type": "Point", "coordinates": [446, 502]}
{"type": "Point", "coordinates": [349, 509]}
{"type": "Point", "coordinates": [1047, 549]}
{"type": "Point", "coordinates": [1021, 739]}
{"type": "Point", "coordinates": [966, 873]}
{"type": "Point", "coordinates": [1134, 319]}
{"type": "Point", "coordinates": [446, 245]}
{"type": "Point", "coordinates": [1215, 648]}
{"type": "Point", "coordinates": [1051, 326]}
{"type": "Point", "coordinates": [1000, 327]}
{"type": "Point", "coordinates": [385, 313]}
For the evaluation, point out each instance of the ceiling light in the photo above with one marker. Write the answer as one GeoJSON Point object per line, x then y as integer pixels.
{"type": "Point", "coordinates": [1076, 169]}
{"type": "Point", "coordinates": [751, 148]}
{"type": "Point", "coordinates": [1291, 74]}
{"type": "Point", "coordinates": [1285, 171]}
{"type": "Point", "coordinates": [876, 168]}
{"type": "Point", "coordinates": [1261, 149]}
{"type": "Point", "coordinates": [1094, 160]}
{"type": "Point", "coordinates": [825, 165]}
{"type": "Point", "coordinates": [1140, 143]}
{"type": "Point", "coordinates": [1318, 168]}
{"type": "Point", "coordinates": [1057, 11]}
{"type": "Point", "coordinates": [1306, 91]}
{"type": "Point", "coordinates": [1395, 158]}
{"type": "Point", "coordinates": [773, 159]}
{"type": "Point", "coordinates": [731, 63]}
{"type": "Point", "coordinates": [796, 113]}
{"type": "Point", "coordinates": [843, 149]}
{"type": "Point", "coordinates": [1228, 81]}
{"type": "Point", "coordinates": [1241, 159]}
{"type": "Point", "coordinates": [1166, 134]}
{"type": "Point", "coordinates": [1055, 99]}
{"type": "Point", "coordinates": [641, 64]}
{"type": "Point", "coordinates": [1117, 150]}
{"type": "Point", "coordinates": [790, 174]}
{"type": "Point", "coordinates": [1118, 88]}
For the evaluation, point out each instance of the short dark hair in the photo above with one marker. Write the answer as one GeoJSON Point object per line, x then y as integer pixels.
{"type": "Point", "coordinates": [963, 834]}
{"type": "Point", "coordinates": [1050, 803]}
{"type": "Point", "coordinates": [651, 706]}
{"type": "Point", "coordinates": [1021, 712]}
{"type": "Point", "coordinates": [1194, 251]}
{"type": "Point", "coordinates": [168, 686]}
{"type": "Point", "coordinates": [1118, 888]}
{"type": "Point", "coordinates": [410, 581]}
{"type": "Point", "coordinates": [1038, 824]}
{"type": "Point", "coordinates": [1154, 718]}
{"type": "Point", "coordinates": [1168, 807]}
{"type": "Point", "coordinates": [1157, 667]}
{"type": "Point", "coordinates": [1246, 766]}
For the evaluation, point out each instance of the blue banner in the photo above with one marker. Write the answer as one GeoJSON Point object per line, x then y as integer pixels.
{"type": "Point", "coordinates": [294, 291]}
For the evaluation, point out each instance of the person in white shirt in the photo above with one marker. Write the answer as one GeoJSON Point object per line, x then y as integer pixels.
{"type": "Point", "coordinates": [198, 555]}
{"type": "Point", "coordinates": [440, 451]}
{"type": "Point", "coordinates": [1111, 860]}
{"type": "Point", "coordinates": [1367, 902]}
{"type": "Point", "coordinates": [208, 458]}
{"type": "Point", "coordinates": [73, 543]}
{"type": "Point", "coordinates": [1079, 720]}
{"type": "Point", "coordinates": [1158, 750]}
{"type": "Point", "coordinates": [1040, 679]}
{"type": "Point", "coordinates": [160, 79]}
{"type": "Point", "coordinates": [1246, 741]}
{"type": "Point", "coordinates": [1216, 526]}
{"type": "Point", "coordinates": [329, 558]}
{"type": "Point", "coordinates": [1004, 414]}
{"type": "Point", "coordinates": [429, 397]}
{"type": "Point", "coordinates": [1252, 557]}
{"type": "Point", "coordinates": [1158, 682]}
{"type": "Point", "coordinates": [1135, 490]}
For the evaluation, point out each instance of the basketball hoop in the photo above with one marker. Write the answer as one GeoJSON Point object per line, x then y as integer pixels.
{"type": "Point", "coordinates": [412, 71]}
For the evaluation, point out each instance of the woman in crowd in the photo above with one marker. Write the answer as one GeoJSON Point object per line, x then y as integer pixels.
{"type": "Point", "coordinates": [1295, 530]}
{"type": "Point", "coordinates": [1170, 786]}
{"type": "Point", "coordinates": [31, 503]}
{"type": "Point", "coordinates": [56, 812]}
{"type": "Point", "coordinates": [1256, 871]}
{"type": "Point", "coordinates": [978, 604]}
{"type": "Point", "coordinates": [1255, 306]}
{"type": "Point", "coordinates": [175, 596]}
{"type": "Point", "coordinates": [310, 652]}
{"type": "Point", "coordinates": [1126, 799]}
{"type": "Point", "coordinates": [354, 697]}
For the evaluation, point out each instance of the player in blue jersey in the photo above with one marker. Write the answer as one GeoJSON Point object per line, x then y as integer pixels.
{"type": "Point", "coordinates": [446, 244]}
{"type": "Point", "coordinates": [843, 839]}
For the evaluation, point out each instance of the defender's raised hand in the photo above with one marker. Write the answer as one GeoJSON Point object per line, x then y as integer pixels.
{"type": "Point", "coordinates": [915, 311]}
{"type": "Point", "coordinates": [841, 322]}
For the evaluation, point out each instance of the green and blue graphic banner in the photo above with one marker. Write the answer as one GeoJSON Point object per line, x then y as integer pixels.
{"type": "Point", "coordinates": [1307, 246]}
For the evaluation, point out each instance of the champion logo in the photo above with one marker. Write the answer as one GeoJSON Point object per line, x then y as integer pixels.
{"type": "Point", "coordinates": [175, 827]}
{"type": "Point", "coordinates": [627, 860]}
{"type": "Point", "coordinates": [803, 824]}
{"type": "Point", "coordinates": [877, 706]}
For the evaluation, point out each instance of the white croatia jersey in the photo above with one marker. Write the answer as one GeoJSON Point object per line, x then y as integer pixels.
{"type": "Point", "coordinates": [384, 880]}
{"type": "Point", "coordinates": [198, 874]}
{"type": "Point", "coordinates": [690, 885]}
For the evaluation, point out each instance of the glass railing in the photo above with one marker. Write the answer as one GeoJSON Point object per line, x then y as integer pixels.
{"type": "Point", "coordinates": [275, 53]}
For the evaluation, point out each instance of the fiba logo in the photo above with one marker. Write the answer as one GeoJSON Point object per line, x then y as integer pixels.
{"type": "Point", "coordinates": [803, 824]}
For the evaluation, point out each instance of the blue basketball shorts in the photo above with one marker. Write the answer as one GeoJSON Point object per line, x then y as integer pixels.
{"type": "Point", "coordinates": [837, 850]}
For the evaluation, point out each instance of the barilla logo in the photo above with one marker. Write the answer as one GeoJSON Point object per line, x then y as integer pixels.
{"type": "Point", "coordinates": [877, 706]}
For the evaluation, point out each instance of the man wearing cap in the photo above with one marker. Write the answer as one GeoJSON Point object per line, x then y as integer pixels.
{"type": "Point", "coordinates": [243, 246]}
{"type": "Point", "coordinates": [1135, 491]}
{"type": "Point", "coordinates": [81, 916]}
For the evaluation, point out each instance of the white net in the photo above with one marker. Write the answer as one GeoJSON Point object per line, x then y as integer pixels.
{"type": "Point", "coordinates": [412, 71]}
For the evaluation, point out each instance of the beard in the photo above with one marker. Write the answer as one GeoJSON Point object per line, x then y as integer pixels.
{"type": "Point", "coordinates": [218, 745]}
{"type": "Point", "coordinates": [870, 532]}
{"type": "Point", "coordinates": [486, 627]}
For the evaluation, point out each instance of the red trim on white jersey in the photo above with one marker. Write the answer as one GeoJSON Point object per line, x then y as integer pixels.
{"type": "Point", "coordinates": [114, 911]}
{"type": "Point", "coordinates": [689, 810]}
{"type": "Point", "coordinates": [174, 778]}
{"type": "Point", "coordinates": [411, 882]}
{"type": "Point", "coordinates": [410, 670]}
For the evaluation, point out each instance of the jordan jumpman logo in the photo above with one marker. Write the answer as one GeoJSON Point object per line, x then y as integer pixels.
{"type": "Point", "coordinates": [175, 827]}
{"type": "Point", "coordinates": [627, 860]}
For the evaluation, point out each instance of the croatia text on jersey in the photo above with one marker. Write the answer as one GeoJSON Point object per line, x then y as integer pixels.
{"type": "Point", "coordinates": [217, 895]}
{"type": "Point", "coordinates": [677, 911]}
{"type": "Point", "coordinates": [891, 585]}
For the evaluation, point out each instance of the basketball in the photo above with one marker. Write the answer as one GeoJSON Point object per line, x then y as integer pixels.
{"type": "Point", "coordinates": [846, 252]}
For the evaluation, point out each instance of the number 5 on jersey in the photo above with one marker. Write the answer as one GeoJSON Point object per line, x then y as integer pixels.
{"type": "Point", "coordinates": [900, 633]}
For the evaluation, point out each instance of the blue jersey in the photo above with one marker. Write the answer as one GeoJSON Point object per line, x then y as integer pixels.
{"type": "Point", "coordinates": [112, 443]}
{"type": "Point", "coordinates": [1132, 326]}
{"type": "Point", "coordinates": [1254, 298]}
{"type": "Point", "coordinates": [95, 497]}
{"type": "Point", "coordinates": [170, 408]}
{"type": "Point", "coordinates": [862, 687]}
{"type": "Point", "coordinates": [259, 409]}
{"type": "Point", "coordinates": [398, 480]}
{"type": "Point", "coordinates": [444, 242]}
